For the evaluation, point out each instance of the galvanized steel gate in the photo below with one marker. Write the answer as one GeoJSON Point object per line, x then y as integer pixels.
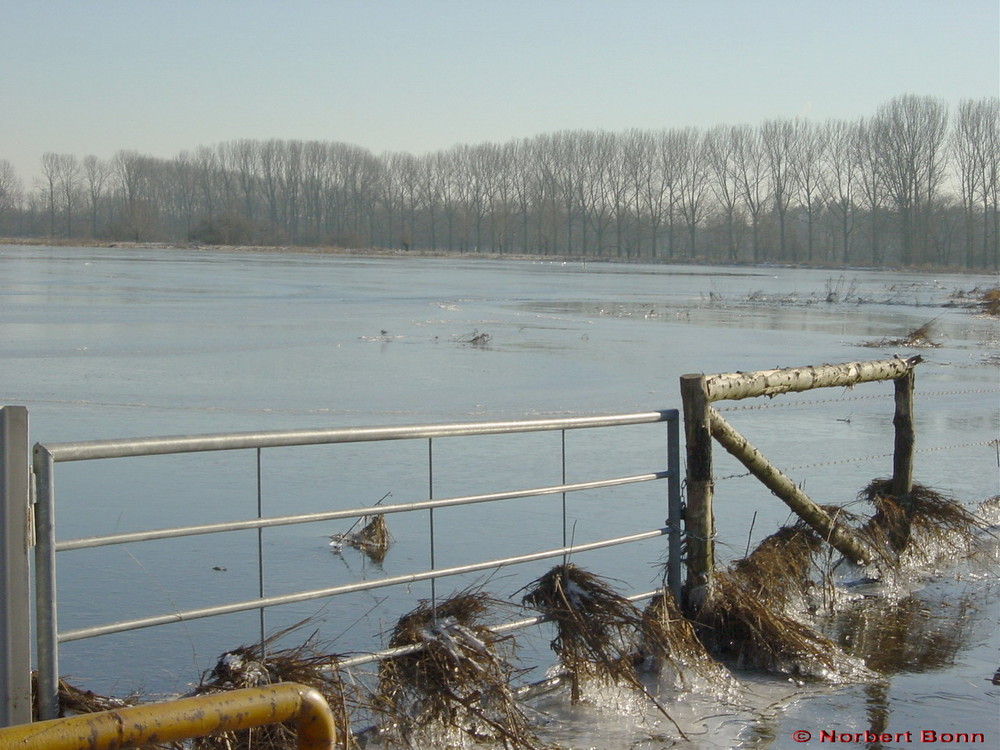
{"type": "Point", "coordinates": [18, 504]}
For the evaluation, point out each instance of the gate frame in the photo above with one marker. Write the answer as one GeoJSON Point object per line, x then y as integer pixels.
{"type": "Point", "coordinates": [47, 637]}
{"type": "Point", "coordinates": [702, 423]}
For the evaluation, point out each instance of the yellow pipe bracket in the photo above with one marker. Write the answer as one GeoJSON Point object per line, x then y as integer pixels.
{"type": "Point", "coordinates": [183, 719]}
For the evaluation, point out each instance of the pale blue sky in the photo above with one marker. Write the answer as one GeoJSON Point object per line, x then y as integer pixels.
{"type": "Point", "coordinates": [95, 76]}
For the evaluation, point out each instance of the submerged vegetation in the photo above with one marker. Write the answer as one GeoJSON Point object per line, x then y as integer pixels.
{"type": "Point", "coordinates": [920, 337]}
{"type": "Point", "coordinates": [373, 539]}
{"type": "Point", "coordinates": [459, 681]}
{"type": "Point", "coordinates": [926, 518]}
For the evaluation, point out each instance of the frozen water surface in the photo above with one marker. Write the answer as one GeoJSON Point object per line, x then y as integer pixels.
{"type": "Point", "coordinates": [102, 343]}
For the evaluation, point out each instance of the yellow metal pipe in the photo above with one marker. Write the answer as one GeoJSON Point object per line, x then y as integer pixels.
{"type": "Point", "coordinates": [182, 719]}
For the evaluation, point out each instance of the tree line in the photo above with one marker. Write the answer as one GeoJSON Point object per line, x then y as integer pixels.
{"type": "Point", "coordinates": [914, 184]}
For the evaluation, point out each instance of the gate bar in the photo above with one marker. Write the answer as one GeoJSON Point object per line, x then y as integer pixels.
{"type": "Point", "coordinates": [155, 446]}
{"type": "Point", "coordinates": [348, 588]}
{"type": "Point", "coordinates": [332, 515]}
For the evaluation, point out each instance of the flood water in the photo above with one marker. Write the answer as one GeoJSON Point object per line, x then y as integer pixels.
{"type": "Point", "coordinates": [106, 343]}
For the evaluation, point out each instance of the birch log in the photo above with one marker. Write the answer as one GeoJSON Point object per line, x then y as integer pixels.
{"type": "Point", "coordinates": [737, 385]}
{"type": "Point", "coordinates": [699, 518]}
{"type": "Point", "coordinates": [772, 477]}
{"type": "Point", "coordinates": [902, 420]}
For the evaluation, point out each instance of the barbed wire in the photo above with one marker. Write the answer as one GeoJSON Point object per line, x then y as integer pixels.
{"type": "Point", "coordinates": [771, 404]}
{"type": "Point", "coordinates": [870, 457]}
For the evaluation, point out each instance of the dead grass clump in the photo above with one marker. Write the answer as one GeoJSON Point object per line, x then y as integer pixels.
{"type": "Point", "coordinates": [458, 680]}
{"type": "Point", "coordinates": [476, 339]}
{"type": "Point", "coordinates": [745, 618]}
{"type": "Point", "coordinates": [780, 567]}
{"type": "Point", "coordinates": [596, 627]}
{"type": "Point", "coordinates": [600, 635]}
{"type": "Point", "coordinates": [919, 337]}
{"type": "Point", "coordinates": [676, 645]}
{"type": "Point", "coordinates": [74, 700]}
{"type": "Point", "coordinates": [986, 301]}
{"type": "Point", "coordinates": [373, 539]}
{"type": "Point", "coordinates": [254, 665]}
{"type": "Point", "coordinates": [927, 513]}
{"type": "Point", "coordinates": [740, 624]}
{"type": "Point", "coordinates": [990, 301]}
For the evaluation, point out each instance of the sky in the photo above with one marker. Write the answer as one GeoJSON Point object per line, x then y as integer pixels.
{"type": "Point", "coordinates": [160, 77]}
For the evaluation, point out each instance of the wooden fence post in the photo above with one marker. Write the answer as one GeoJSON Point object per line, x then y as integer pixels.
{"type": "Point", "coordinates": [699, 518]}
{"type": "Point", "coordinates": [902, 420]}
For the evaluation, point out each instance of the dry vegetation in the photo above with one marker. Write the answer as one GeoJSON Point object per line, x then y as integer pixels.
{"type": "Point", "coordinates": [600, 633]}
{"type": "Point", "coordinates": [921, 337]}
{"type": "Point", "coordinates": [459, 681]}
{"type": "Point", "coordinates": [925, 515]}
{"type": "Point", "coordinates": [373, 539]}
{"type": "Point", "coordinates": [745, 618]}
{"type": "Point", "coordinates": [986, 301]}
{"type": "Point", "coordinates": [250, 666]}
{"type": "Point", "coordinates": [453, 681]}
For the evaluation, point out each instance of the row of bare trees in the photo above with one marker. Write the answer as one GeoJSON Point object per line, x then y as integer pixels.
{"type": "Point", "coordinates": [914, 184]}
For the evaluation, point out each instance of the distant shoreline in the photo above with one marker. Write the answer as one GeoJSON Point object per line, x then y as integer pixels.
{"type": "Point", "coordinates": [400, 253]}
{"type": "Point", "coordinates": [305, 249]}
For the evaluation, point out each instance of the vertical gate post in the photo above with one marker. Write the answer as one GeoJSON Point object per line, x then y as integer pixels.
{"type": "Point", "coordinates": [674, 512]}
{"type": "Point", "coordinates": [699, 519]}
{"type": "Point", "coordinates": [46, 631]}
{"type": "Point", "coordinates": [902, 420]}
{"type": "Point", "coordinates": [15, 595]}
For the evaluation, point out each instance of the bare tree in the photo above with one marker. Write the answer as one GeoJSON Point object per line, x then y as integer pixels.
{"type": "Point", "coordinates": [721, 145]}
{"type": "Point", "coordinates": [873, 185]}
{"type": "Point", "coordinates": [547, 188]}
{"type": "Point", "coordinates": [840, 172]}
{"type": "Point", "coordinates": [619, 167]}
{"type": "Point", "coordinates": [693, 183]}
{"type": "Point", "coordinates": [96, 173]}
{"type": "Point", "coordinates": [136, 183]}
{"type": "Point", "coordinates": [315, 186]}
{"type": "Point", "coordinates": [10, 191]}
{"type": "Point", "coordinates": [779, 139]}
{"type": "Point", "coordinates": [50, 171]}
{"type": "Point", "coordinates": [910, 133]}
{"type": "Point", "coordinates": [647, 189]}
{"type": "Point", "coordinates": [69, 185]}
{"type": "Point", "coordinates": [976, 149]}
{"type": "Point", "coordinates": [752, 178]}
{"type": "Point", "coordinates": [186, 189]}
{"type": "Point", "coordinates": [671, 152]}
{"type": "Point", "coordinates": [246, 161]}
{"type": "Point", "coordinates": [808, 157]}
{"type": "Point", "coordinates": [290, 180]}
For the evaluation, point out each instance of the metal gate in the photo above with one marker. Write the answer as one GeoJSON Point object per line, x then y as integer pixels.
{"type": "Point", "coordinates": [46, 545]}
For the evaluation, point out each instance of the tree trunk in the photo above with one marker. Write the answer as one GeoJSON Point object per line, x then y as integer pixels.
{"type": "Point", "coordinates": [699, 519]}
{"type": "Point", "coordinates": [737, 385]}
{"type": "Point", "coordinates": [902, 462]}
